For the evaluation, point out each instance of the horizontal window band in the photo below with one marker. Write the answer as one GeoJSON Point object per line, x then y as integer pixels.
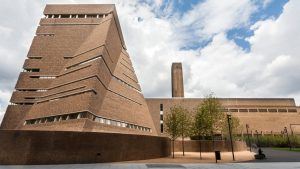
{"type": "Point", "coordinates": [31, 70]}
{"type": "Point", "coordinates": [42, 77]}
{"type": "Point", "coordinates": [35, 57]}
{"type": "Point", "coordinates": [74, 23]}
{"type": "Point", "coordinates": [68, 57]}
{"type": "Point", "coordinates": [21, 103]}
{"type": "Point", "coordinates": [77, 15]}
{"type": "Point", "coordinates": [45, 34]}
{"type": "Point", "coordinates": [86, 115]}
{"type": "Point", "coordinates": [260, 110]}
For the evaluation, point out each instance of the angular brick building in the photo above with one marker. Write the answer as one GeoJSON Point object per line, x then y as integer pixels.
{"type": "Point", "coordinates": [78, 76]}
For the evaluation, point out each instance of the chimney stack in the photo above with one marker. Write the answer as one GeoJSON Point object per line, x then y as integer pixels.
{"type": "Point", "coordinates": [177, 80]}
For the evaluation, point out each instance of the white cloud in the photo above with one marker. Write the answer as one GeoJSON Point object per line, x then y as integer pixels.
{"type": "Point", "coordinates": [213, 16]}
{"type": "Point", "coordinates": [5, 31]}
{"type": "Point", "coordinates": [269, 69]}
{"type": "Point", "coordinates": [4, 99]}
{"type": "Point", "coordinates": [158, 2]}
{"type": "Point", "coordinates": [266, 3]}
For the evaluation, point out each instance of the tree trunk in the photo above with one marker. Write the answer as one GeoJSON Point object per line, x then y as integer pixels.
{"type": "Point", "coordinates": [200, 148]}
{"type": "Point", "coordinates": [182, 143]}
{"type": "Point", "coordinates": [173, 147]}
{"type": "Point", "coordinates": [213, 140]}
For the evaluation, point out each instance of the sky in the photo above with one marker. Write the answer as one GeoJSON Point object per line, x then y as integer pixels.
{"type": "Point", "coordinates": [233, 48]}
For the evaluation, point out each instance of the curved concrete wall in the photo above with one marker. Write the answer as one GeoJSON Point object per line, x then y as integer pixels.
{"type": "Point", "coordinates": [62, 147]}
{"type": "Point", "coordinates": [207, 146]}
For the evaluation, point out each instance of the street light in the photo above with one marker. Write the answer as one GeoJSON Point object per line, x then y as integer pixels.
{"type": "Point", "coordinates": [229, 126]}
{"type": "Point", "coordinates": [257, 141]}
{"type": "Point", "coordinates": [287, 134]}
{"type": "Point", "coordinates": [249, 142]}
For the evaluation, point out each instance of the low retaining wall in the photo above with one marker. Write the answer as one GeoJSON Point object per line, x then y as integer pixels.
{"type": "Point", "coordinates": [63, 147]}
{"type": "Point", "coordinates": [207, 146]}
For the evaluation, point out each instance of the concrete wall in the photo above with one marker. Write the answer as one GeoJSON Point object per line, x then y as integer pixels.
{"type": "Point", "coordinates": [193, 146]}
{"type": "Point", "coordinates": [62, 147]}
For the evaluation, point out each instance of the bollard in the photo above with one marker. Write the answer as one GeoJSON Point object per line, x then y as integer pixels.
{"type": "Point", "coordinates": [217, 155]}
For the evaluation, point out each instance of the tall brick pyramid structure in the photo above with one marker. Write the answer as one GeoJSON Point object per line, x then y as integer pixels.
{"type": "Point", "coordinates": [78, 76]}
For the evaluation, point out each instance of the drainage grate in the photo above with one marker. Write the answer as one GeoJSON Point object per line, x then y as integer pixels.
{"type": "Point", "coordinates": [164, 166]}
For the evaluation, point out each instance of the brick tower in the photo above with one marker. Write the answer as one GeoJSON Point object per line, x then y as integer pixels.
{"type": "Point", "coordinates": [177, 80]}
{"type": "Point", "coordinates": [78, 76]}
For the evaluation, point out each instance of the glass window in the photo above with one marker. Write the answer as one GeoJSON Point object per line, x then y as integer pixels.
{"type": "Point", "coordinates": [252, 110]}
{"type": "Point", "coordinates": [161, 107]}
{"type": "Point", "coordinates": [161, 117]}
{"type": "Point", "coordinates": [243, 110]}
{"type": "Point", "coordinates": [262, 110]}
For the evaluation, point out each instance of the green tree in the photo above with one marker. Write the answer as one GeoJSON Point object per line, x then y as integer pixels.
{"type": "Point", "coordinates": [208, 119]}
{"type": "Point", "coordinates": [201, 125]}
{"type": "Point", "coordinates": [184, 124]}
{"type": "Point", "coordinates": [172, 122]}
{"type": "Point", "coordinates": [215, 117]}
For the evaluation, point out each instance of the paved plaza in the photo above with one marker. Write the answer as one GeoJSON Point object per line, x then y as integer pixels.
{"type": "Point", "coordinates": [285, 165]}
{"type": "Point", "coordinates": [276, 159]}
{"type": "Point", "coordinates": [207, 157]}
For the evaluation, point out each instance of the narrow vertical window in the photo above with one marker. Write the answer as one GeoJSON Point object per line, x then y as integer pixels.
{"type": "Point", "coordinates": [161, 118]}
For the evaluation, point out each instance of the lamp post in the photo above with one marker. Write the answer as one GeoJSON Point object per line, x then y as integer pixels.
{"type": "Point", "coordinates": [229, 126]}
{"type": "Point", "coordinates": [257, 142]}
{"type": "Point", "coordinates": [249, 142]}
{"type": "Point", "coordinates": [287, 135]}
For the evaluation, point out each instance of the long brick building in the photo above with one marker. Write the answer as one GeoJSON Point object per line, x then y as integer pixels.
{"type": "Point", "coordinates": [262, 115]}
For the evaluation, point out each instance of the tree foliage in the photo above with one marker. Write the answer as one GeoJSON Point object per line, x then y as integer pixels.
{"type": "Point", "coordinates": [171, 123]}
{"type": "Point", "coordinates": [184, 121]}
{"type": "Point", "coordinates": [209, 117]}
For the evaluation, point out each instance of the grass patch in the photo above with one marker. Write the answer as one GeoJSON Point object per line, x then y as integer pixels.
{"type": "Point", "coordinates": [287, 149]}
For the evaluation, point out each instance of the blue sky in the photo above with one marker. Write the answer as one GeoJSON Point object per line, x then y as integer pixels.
{"type": "Point", "coordinates": [265, 9]}
{"type": "Point", "coordinates": [234, 48]}
{"type": "Point", "coordinates": [272, 9]}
